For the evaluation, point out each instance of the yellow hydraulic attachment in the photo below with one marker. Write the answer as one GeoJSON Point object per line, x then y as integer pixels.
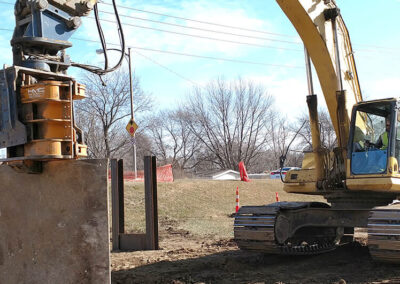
{"type": "Point", "coordinates": [48, 111]}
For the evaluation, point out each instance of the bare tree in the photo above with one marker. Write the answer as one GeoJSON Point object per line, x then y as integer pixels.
{"type": "Point", "coordinates": [280, 136]}
{"type": "Point", "coordinates": [328, 135]}
{"type": "Point", "coordinates": [173, 142]}
{"type": "Point", "coordinates": [104, 114]}
{"type": "Point", "coordinates": [230, 121]}
{"type": "Point", "coordinates": [144, 145]}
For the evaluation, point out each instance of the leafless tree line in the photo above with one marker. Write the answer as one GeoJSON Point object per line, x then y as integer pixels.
{"type": "Point", "coordinates": [228, 122]}
{"type": "Point", "coordinates": [104, 114]}
{"type": "Point", "coordinates": [216, 127]}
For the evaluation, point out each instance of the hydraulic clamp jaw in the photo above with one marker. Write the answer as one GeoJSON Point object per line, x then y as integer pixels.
{"type": "Point", "coordinates": [36, 96]}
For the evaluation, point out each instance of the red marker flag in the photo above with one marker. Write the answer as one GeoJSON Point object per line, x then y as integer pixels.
{"type": "Point", "coordinates": [243, 172]}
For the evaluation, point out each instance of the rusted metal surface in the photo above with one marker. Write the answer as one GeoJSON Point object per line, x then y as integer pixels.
{"type": "Point", "coordinates": [54, 226]}
{"type": "Point", "coordinates": [150, 183]}
{"type": "Point", "coordinates": [132, 242]}
{"type": "Point", "coordinates": [117, 193]}
{"type": "Point", "coordinates": [115, 201]}
{"type": "Point", "coordinates": [121, 227]}
{"type": "Point", "coordinates": [120, 240]}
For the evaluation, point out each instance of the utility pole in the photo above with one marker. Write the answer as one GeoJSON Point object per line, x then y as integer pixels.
{"type": "Point", "coordinates": [132, 111]}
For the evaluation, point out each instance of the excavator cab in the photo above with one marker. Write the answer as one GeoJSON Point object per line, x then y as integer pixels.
{"type": "Point", "coordinates": [374, 144]}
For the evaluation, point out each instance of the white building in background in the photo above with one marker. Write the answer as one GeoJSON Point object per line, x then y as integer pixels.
{"type": "Point", "coordinates": [258, 176]}
{"type": "Point", "coordinates": [227, 175]}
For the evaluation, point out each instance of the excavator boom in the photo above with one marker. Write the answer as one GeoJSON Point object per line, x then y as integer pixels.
{"type": "Point", "coordinates": [317, 23]}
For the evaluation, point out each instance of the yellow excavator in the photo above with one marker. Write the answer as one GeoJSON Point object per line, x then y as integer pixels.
{"type": "Point", "coordinates": [359, 179]}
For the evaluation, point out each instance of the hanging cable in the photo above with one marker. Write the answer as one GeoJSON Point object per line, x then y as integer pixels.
{"type": "Point", "coordinates": [101, 35]}
{"type": "Point", "coordinates": [97, 70]}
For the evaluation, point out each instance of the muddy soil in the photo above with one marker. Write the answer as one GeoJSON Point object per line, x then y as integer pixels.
{"type": "Point", "coordinates": [185, 258]}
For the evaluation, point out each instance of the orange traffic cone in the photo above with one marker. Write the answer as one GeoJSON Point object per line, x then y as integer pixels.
{"type": "Point", "coordinates": [277, 196]}
{"type": "Point", "coordinates": [237, 199]}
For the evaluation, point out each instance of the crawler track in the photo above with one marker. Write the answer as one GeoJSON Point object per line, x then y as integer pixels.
{"type": "Point", "coordinates": [384, 233]}
{"type": "Point", "coordinates": [255, 226]}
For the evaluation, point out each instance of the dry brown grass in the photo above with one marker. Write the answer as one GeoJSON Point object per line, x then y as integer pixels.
{"type": "Point", "coordinates": [202, 207]}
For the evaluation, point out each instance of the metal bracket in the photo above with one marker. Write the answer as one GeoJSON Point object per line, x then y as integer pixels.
{"type": "Point", "coordinates": [12, 131]}
{"type": "Point", "coordinates": [331, 14]}
{"type": "Point", "coordinates": [120, 240]}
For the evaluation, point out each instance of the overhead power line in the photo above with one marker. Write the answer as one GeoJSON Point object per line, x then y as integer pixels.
{"type": "Point", "coordinates": [210, 38]}
{"type": "Point", "coordinates": [377, 47]}
{"type": "Point", "coordinates": [199, 36]}
{"type": "Point", "coordinates": [221, 25]}
{"type": "Point", "coordinates": [201, 22]}
{"type": "Point", "coordinates": [168, 69]}
{"type": "Point", "coordinates": [199, 56]}
{"type": "Point", "coordinates": [205, 30]}
{"type": "Point", "coordinates": [190, 55]}
{"type": "Point", "coordinates": [183, 18]}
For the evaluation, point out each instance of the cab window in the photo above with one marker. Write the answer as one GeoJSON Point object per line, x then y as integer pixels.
{"type": "Point", "coordinates": [370, 141]}
{"type": "Point", "coordinates": [397, 143]}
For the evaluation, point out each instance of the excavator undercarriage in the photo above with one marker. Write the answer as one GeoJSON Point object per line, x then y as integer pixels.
{"type": "Point", "coordinates": [384, 233]}
{"type": "Point", "coordinates": [307, 228]}
{"type": "Point", "coordinates": [268, 229]}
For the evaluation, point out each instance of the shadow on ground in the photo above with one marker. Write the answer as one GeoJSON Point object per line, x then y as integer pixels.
{"type": "Point", "coordinates": [351, 262]}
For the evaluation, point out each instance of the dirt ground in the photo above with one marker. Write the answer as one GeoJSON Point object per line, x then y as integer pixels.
{"type": "Point", "coordinates": [196, 242]}
{"type": "Point", "coordinates": [184, 258]}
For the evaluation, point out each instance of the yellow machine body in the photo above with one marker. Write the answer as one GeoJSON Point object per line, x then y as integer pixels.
{"type": "Point", "coordinates": [318, 36]}
{"type": "Point", "coordinates": [359, 178]}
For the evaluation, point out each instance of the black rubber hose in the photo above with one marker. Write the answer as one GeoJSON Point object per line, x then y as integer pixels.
{"type": "Point", "coordinates": [97, 70]}
{"type": "Point", "coordinates": [101, 35]}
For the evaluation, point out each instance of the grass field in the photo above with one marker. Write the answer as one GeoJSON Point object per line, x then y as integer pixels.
{"type": "Point", "coordinates": [202, 207]}
{"type": "Point", "coordinates": [196, 245]}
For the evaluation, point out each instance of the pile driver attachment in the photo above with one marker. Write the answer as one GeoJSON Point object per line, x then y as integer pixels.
{"type": "Point", "coordinates": [37, 121]}
{"type": "Point", "coordinates": [36, 95]}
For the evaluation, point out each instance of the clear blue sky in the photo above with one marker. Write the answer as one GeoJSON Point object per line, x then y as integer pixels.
{"type": "Point", "coordinates": [373, 27]}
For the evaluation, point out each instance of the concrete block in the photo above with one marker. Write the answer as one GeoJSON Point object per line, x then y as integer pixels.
{"type": "Point", "coordinates": [54, 226]}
